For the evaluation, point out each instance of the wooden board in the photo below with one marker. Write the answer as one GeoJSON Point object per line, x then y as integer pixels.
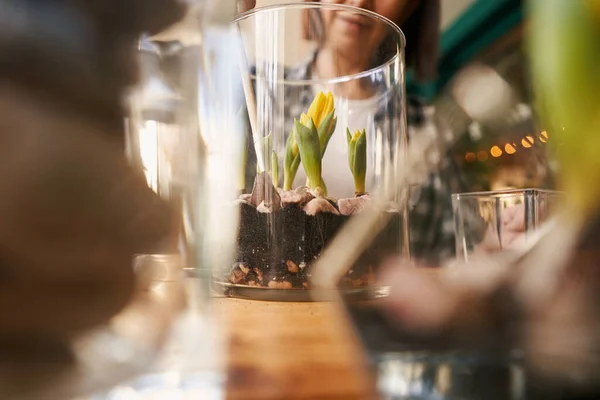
{"type": "Point", "coordinates": [292, 351]}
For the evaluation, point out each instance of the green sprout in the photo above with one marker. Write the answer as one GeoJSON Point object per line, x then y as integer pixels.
{"type": "Point", "coordinates": [309, 146]}
{"type": "Point", "coordinates": [357, 158]}
{"type": "Point", "coordinates": [321, 117]}
{"type": "Point", "coordinates": [275, 169]}
{"type": "Point", "coordinates": [326, 129]}
{"type": "Point", "coordinates": [266, 146]}
{"type": "Point", "coordinates": [291, 161]}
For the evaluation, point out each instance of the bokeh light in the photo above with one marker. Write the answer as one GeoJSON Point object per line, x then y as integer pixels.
{"type": "Point", "coordinates": [496, 151]}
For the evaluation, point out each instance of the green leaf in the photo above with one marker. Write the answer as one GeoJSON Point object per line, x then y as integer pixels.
{"type": "Point", "coordinates": [360, 154]}
{"type": "Point", "coordinates": [265, 147]}
{"type": "Point", "coordinates": [357, 158]}
{"type": "Point", "coordinates": [360, 163]}
{"type": "Point", "coordinates": [326, 130]}
{"type": "Point", "coordinates": [351, 154]}
{"type": "Point", "coordinates": [275, 169]}
{"type": "Point", "coordinates": [307, 138]}
{"type": "Point", "coordinates": [291, 162]}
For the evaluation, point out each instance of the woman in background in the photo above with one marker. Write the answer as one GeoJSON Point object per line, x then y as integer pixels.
{"type": "Point", "coordinates": [354, 45]}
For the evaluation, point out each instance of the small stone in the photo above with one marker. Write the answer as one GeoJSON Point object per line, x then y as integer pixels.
{"type": "Point", "coordinates": [264, 192]}
{"type": "Point", "coordinates": [246, 197]}
{"type": "Point", "coordinates": [353, 205]}
{"type": "Point", "coordinates": [291, 197]}
{"type": "Point", "coordinates": [240, 202]}
{"type": "Point", "coordinates": [305, 285]}
{"type": "Point", "coordinates": [274, 284]}
{"type": "Point", "coordinates": [285, 285]}
{"type": "Point", "coordinates": [302, 265]}
{"type": "Point", "coordinates": [318, 205]}
{"type": "Point", "coordinates": [299, 196]}
{"type": "Point", "coordinates": [303, 190]}
{"type": "Point", "coordinates": [262, 208]}
{"type": "Point", "coordinates": [292, 267]}
{"type": "Point", "coordinates": [243, 267]}
{"type": "Point", "coordinates": [237, 276]}
{"type": "Point", "coordinates": [251, 276]}
{"type": "Point", "coordinates": [258, 273]}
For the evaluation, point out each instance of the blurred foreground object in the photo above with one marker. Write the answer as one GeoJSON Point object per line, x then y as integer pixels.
{"type": "Point", "coordinates": [73, 211]}
{"type": "Point", "coordinates": [542, 299]}
{"type": "Point", "coordinates": [565, 57]}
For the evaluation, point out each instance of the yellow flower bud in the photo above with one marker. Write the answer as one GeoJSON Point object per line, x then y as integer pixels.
{"type": "Point", "coordinates": [321, 106]}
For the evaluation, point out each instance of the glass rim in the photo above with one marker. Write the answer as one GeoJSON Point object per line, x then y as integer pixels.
{"type": "Point", "coordinates": [503, 193]}
{"type": "Point", "coordinates": [333, 6]}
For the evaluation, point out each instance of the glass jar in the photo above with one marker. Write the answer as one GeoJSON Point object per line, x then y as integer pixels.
{"type": "Point", "coordinates": [499, 220]}
{"type": "Point", "coordinates": [322, 142]}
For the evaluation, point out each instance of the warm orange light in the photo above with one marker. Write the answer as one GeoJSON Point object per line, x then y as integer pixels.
{"type": "Point", "coordinates": [510, 149]}
{"type": "Point", "coordinates": [525, 143]}
{"type": "Point", "coordinates": [530, 139]}
{"type": "Point", "coordinates": [470, 157]}
{"type": "Point", "coordinates": [544, 134]}
{"type": "Point", "coordinates": [482, 156]}
{"type": "Point", "coordinates": [496, 151]}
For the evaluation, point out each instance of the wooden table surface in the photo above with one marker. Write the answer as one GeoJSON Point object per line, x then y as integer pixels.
{"type": "Point", "coordinates": [292, 351]}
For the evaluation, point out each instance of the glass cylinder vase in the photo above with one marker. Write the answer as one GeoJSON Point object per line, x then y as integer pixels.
{"type": "Point", "coordinates": [324, 100]}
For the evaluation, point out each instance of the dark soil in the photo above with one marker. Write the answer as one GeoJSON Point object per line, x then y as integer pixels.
{"type": "Point", "coordinates": [277, 249]}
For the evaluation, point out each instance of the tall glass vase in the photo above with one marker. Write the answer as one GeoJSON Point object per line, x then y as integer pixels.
{"type": "Point", "coordinates": [186, 137]}
{"type": "Point", "coordinates": [321, 148]}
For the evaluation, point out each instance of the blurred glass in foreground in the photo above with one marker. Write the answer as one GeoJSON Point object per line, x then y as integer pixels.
{"type": "Point", "coordinates": [187, 138]}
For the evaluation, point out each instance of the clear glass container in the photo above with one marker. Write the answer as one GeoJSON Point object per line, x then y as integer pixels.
{"type": "Point", "coordinates": [499, 220]}
{"type": "Point", "coordinates": [322, 142]}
